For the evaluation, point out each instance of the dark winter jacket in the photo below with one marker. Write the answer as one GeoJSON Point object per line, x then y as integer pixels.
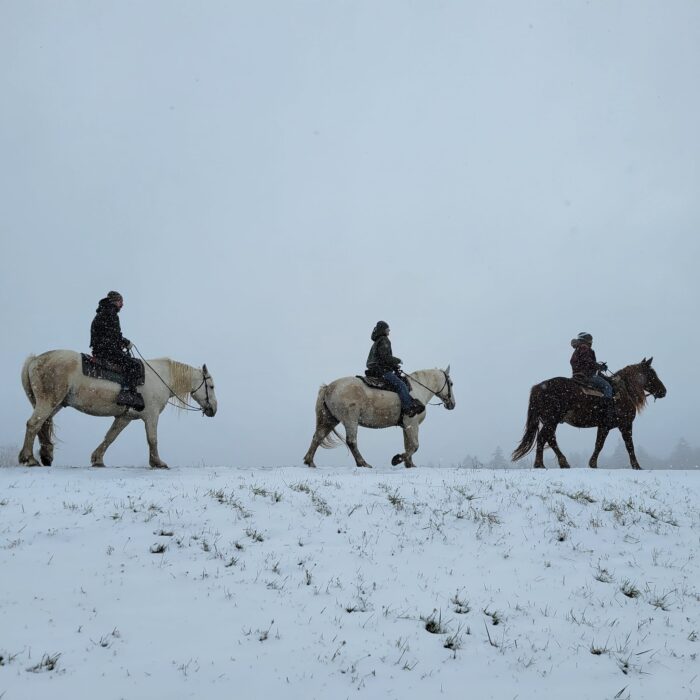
{"type": "Point", "coordinates": [106, 339]}
{"type": "Point", "coordinates": [583, 361]}
{"type": "Point", "coordinates": [380, 358]}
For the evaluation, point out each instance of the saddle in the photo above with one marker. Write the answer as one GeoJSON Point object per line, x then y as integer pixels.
{"type": "Point", "coordinates": [99, 368]}
{"type": "Point", "coordinates": [589, 390]}
{"type": "Point", "coordinates": [379, 383]}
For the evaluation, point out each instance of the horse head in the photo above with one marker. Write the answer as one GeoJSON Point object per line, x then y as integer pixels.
{"type": "Point", "coordinates": [445, 394]}
{"type": "Point", "coordinates": [650, 380]}
{"type": "Point", "coordinates": [204, 393]}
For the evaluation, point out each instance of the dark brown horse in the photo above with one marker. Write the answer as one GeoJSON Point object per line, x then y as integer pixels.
{"type": "Point", "coordinates": [562, 400]}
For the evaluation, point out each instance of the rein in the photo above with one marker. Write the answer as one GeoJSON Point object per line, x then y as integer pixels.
{"type": "Point", "coordinates": [183, 405]}
{"type": "Point", "coordinates": [435, 393]}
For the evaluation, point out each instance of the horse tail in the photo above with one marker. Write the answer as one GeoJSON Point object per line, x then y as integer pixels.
{"type": "Point", "coordinates": [532, 426]}
{"type": "Point", "coordinates": [26, 382]}
{"type": "Point", "coordinates": [324, 416]}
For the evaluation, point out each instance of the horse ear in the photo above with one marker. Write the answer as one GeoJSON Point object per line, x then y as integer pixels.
{"type": "Point", "coordinates": [204, 368]}
{"type": "Point", "coordinates": [649, 360]}
{"type": "Point", "coordinates": [644, 361]}
{"type": "Point", "coordinates": [447, 371]}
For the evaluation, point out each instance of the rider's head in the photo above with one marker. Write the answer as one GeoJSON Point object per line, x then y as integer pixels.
{"type": "Point", "coordinates": [116, 298]}
{"type": "Point", "coordinates": [382, 328]}
{"type": "Point", "coordinates": [585, 338]}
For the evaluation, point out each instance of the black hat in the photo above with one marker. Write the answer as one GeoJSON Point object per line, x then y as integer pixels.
{"type": "Point", "coordinates": [115, 296]}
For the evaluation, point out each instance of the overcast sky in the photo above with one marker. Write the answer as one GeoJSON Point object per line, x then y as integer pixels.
{"type": "Point", "coordinates": [264, 181]}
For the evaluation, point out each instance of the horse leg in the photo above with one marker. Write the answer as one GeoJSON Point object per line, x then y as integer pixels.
{"type": "Point", "coordinates": [41, 414]}
{"type": "Point", "coordinates": [599, 442]}
{"type": "Point", "coordinates": [154, 460]}
{"type": "Point", "coordinates": [322, 430]}
{"type": "Point", "coordinates": [539, 454]}
{"type": "Point", "coordinates": [46, 435]}
{"type": "Point", "coordinates": [552, 440]}
{"type": "Point", "coordinates": [351, 441]}
{"type": "Point", "coordinates": [410, 442]}
{"type": "Point", "coordinates": [626, 431]}
{"type": "Point", "coordinates": [97, 457]}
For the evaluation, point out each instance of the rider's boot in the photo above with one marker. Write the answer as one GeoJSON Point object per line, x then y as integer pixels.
{"type": "Point", "coordinates": [128, 396]}
{"type": "Point", "coordinates": [417, 408]}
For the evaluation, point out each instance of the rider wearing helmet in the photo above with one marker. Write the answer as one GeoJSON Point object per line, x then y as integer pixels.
{"type": "Point", "coordinates": [382, 363]}
{"type": "Point", "coordinates": [108, 343]}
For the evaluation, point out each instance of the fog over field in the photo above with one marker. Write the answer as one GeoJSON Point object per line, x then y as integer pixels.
{"type": "Point", "coordinates": [263, 182]}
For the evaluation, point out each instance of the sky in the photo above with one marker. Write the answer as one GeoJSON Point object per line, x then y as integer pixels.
{"type": "Point", "coordinates": [265, 181]}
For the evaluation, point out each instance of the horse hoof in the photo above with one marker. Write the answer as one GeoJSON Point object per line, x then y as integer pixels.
{"type": "Point", "coordinates": [162, 465]}
{"type": "Point", "coordinates": [538, 466]}
{"type": "Point", "coordinates": [365, 465]}
{"type": "Point", "coordinates": [97, 464]}
{"type": "Point", "coordinates": [396, 459]}
{"type": "Point", "coordinates": [311, 465]}
{"type": "Point", "coordinates": [637, 467]}
{"type": "Point", "coordinates": [564, 466]}
{"type": "Point", "coordinates": [410, 466]}
{"type": "Point", "coordinates": [593, 466]}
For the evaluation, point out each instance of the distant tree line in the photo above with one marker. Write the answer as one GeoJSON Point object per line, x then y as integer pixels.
{"type": "Point", "coordinates": [683, 456]}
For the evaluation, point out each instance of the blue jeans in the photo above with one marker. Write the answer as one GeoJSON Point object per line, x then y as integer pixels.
{"type": "Point", "coordinates": [602, 385]}
{"type": "Point", "coordinates": [398, 384]}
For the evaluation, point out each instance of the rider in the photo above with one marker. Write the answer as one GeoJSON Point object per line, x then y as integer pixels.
{"type": "Point", "coordinates": [108, 343]}
{"type": "Point", "coordinates": [585, 366]}
{"type": "Point", "coordinates": [382, 363]}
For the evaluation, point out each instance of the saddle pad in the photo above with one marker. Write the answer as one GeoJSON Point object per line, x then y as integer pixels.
{"type": "Point", "coordinates": [591, 392]}
{"type": "Point", "coordinates": [375, 383]}
{"type": "Point", "coordinates": [111, 371]}
{"type": "Point", "coordinates": [379, 383]}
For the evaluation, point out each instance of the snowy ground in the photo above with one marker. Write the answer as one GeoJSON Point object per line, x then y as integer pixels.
{"type": "Point", "coordinates": [335, 583]}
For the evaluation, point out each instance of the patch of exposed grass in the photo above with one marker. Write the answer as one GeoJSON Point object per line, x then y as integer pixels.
{"type": "Point", "coordinates": [48, 663]}
{"type": "Point", "coordinates": [628, 589]}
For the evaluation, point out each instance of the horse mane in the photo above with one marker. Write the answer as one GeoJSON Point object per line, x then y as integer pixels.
{"type": "Point", "coordinates": [630, 389]}
{"type": "Point", "coordinates": [181, 377]}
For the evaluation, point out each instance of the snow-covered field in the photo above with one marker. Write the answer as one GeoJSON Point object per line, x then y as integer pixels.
{"type": "Point", "coordinates": [346, 583]}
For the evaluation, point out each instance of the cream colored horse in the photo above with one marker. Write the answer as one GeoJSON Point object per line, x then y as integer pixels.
{"type": "Point", "coordinates": [55, 380]}
{"type": "Point", "coordinates": [351, 402]}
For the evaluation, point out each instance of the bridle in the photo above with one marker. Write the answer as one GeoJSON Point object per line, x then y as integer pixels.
{"type": "Point", "coordinates": [206, 391]}
{"type": "Point", "coordinates": [183, 405]}
{"type": "Point", "coordinates": [437, 393]}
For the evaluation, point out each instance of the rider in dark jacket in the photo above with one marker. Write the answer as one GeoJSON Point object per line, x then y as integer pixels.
{"type": "Point", "coordinates": [108, 343]}
{"type": "Point", "coordinates": [382, 363]}
{"type": "Point", "coordinates": [585, 366]}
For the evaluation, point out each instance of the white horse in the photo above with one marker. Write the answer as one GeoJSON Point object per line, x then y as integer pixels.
{"type": "Point", "coordinates": [55, 380]}
{"type": "Point", "coordinates": [351, 402]}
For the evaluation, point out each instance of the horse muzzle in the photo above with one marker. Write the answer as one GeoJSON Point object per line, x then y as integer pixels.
{"type": "Point", "coordinates": [209, 411]}
{"type": "Point", "coordinates": [660, 394]}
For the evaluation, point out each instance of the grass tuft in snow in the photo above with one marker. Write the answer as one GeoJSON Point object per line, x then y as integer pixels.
{"type": "Point", "coordinates": [629, 589]}
{"type": "Point", "coordinates": [48, 663]}
{"type": "Point", "coordinates": [433, 623]}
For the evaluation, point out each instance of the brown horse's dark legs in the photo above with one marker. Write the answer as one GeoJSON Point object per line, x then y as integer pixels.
{"type": "Point", "coordinates": [539, 454]}
{"type": "Point", "coordinates": [549, 434]}
{"type": "Point", "coordinates": [626, 431]}
{"type": "Point", "coordinates": [599, 442]}
{"type": "Point", "coordinates": [563, 462]}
